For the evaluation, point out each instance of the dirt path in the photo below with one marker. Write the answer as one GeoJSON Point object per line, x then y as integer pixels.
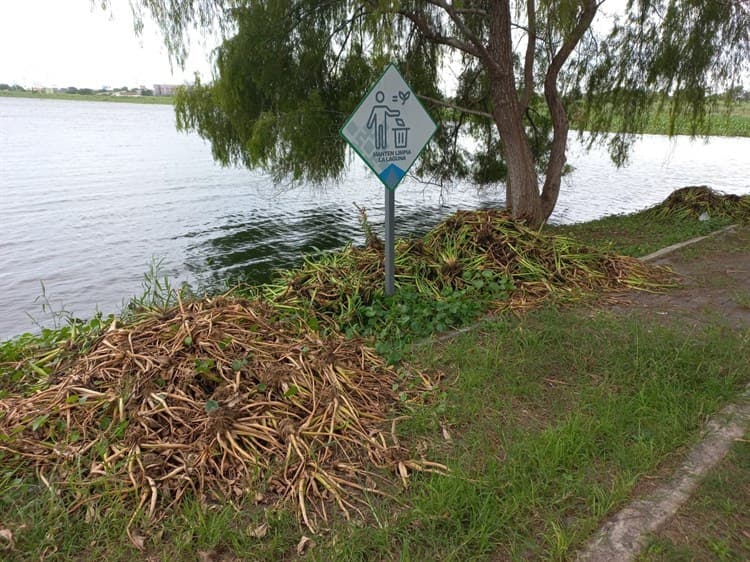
{"type": "Point", "coordinates": [715, 282]}
{"type": "Point", "coordinates": [714, 274]}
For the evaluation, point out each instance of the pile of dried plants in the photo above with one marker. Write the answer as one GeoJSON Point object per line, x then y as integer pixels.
{"type": "Point", "coordinates": [469, 245]}
{"type": "Point", "coordinates": [703, 202]}
{"type": "Point", "coordinates": [219, 398]}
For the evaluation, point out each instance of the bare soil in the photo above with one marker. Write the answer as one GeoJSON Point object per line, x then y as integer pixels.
{"type": "Point", "coordinates": [714, 283]}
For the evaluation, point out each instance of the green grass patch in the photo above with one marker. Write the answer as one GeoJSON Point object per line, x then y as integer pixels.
{"type": "Point", "coordinates": [639, 234]}
{"type": "Point", "coordinates": [151, 100]}
{"type": "Point", "coordinates": [726, 122]}
{"type": "Point", "coordinates": [721, 120]}
{"type": "Point", "coordinates": [41, 528]}
{"type": "Point", "coordinates": [552, 421]}
{"type": "Point", "coordinates": [687, 213]}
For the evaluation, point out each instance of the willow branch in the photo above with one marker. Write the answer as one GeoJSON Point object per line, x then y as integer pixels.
{"type": "Point", "coordinates": [472, 37]}
{"type": "Point", "coordinates": [432, 34]}
{"type": "Point", "coordinates": [450, 105]}
{"type": "Point", "coordinates": [528, 65]}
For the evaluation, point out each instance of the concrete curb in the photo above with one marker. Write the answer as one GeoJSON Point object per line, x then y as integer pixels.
{"type": "Point", "coordinates": [673, 247]}
{"type": "Point", "coordinates": [625, 535]}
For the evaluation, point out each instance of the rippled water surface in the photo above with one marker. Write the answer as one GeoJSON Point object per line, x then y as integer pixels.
{"type": "Point", "coordinates": [91, 193]}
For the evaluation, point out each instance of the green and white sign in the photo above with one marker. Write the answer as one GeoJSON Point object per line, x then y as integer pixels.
{"type": "Point", "coordinates": [390, 128]}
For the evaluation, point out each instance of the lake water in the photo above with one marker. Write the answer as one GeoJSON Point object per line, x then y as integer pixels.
{"type": "Point", "coordinates": [91, 193]}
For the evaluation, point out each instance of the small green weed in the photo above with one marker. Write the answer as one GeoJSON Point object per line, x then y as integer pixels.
{"type": "Point", "coordinates": [742, 299]}
{"type": "Point", "coordinates": [159, 293]}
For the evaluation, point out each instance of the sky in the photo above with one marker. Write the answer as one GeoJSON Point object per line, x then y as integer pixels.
{"type": "Point", "coordinates": [61, 43]}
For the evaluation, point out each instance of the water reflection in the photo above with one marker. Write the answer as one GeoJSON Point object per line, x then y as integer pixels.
{"type": "Point", "coordinates": [251, 247]}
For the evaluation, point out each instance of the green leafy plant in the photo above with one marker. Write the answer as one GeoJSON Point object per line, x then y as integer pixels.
{"type": "Point", "coordinates": [159, 293]}
{"type": "Point", "coordinates": [410, 314]}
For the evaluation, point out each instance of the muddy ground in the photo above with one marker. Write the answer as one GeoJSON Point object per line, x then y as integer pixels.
{"type": "Point", "coordinates": [714, 283]}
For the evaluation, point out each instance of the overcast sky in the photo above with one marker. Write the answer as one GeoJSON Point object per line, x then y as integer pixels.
{"type": "Point", "coordinates": [70, 43]}
{"type": "Point", "coordinates": [60, 43]}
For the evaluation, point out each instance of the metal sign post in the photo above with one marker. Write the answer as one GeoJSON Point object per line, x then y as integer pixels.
{"type": "Point", "coordinates": [390, 244]}
{"type": "Point", "coordinates": [388, 130]}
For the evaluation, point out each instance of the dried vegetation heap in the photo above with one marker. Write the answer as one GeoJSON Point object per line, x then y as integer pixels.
{"type": "Point", "coordinates": [216, 397]}
{"type": "Point", "coordinates": [702, 201]}
{"type": "Point", "coordinates": [531, 263]}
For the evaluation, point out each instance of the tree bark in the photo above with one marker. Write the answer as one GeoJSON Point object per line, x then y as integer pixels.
{"type": "Point", "coordinates": [522, 187]}
{"type": "Point", "coordinates": [560, 126]}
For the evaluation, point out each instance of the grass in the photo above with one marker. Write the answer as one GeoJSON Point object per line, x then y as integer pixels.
{"type": "Point", "coordinates": [725, 122]}
{"type": "Point", "coordinates": [742, 299]}
{"type": "Point", "coordinates": [552, 419]}
{"type": "Point", "coordinates": [547, 421]}
{"type": "Point", "coordinates": [722, 121]}
{"type": "Point", "coordinates": [160, 100]}
{"type": "Point", "coordinates": [639, 234]}
{"type": "Point", "coordinates": [686, 213]}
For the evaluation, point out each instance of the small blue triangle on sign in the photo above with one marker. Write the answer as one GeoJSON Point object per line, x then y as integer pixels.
{"type": "Point", "coordinates": [391, 176]}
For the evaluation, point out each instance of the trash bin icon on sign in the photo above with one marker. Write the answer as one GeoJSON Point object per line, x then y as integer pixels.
{"type": "Point", "coordinates": [400, 133]}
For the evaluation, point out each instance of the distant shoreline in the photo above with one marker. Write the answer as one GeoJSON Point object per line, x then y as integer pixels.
{"type": "Point", "coordinates": [722, 122]}
{"type": "Point", "coordinates": [159, 100]}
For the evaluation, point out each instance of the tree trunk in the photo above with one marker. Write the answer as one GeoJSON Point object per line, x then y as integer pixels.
{"type": "Point", "coordinates": [522, 190]}
{"type": "Point", "coordinates": [560, 127]}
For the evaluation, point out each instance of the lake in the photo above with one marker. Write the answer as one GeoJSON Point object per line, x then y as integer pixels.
{"type": "Point", "coordinates": [92, 193]}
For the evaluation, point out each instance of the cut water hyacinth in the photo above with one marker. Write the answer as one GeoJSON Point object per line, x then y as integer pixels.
{"type": "Point", "coordinates": [219, 398]}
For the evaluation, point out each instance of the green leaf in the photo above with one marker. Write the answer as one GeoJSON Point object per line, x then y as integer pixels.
{"type": "Point", "coordinates": [204, 366]}
{"type": "Point", "coordinates": [39, 422]}
{"type": "Point", "coordinates": [211, 406]}
{"type": "Point", "coordinates": [238, 364]}
{"type": "Point", "coordinates": [120, 429]}
{"type": "Point", "coordinates": [292, 391]}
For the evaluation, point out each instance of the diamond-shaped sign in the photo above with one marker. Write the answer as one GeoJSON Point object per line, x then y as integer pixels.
{"type": "Point", "coordinates": [390, 128]}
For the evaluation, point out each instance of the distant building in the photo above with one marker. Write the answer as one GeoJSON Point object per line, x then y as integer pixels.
{"type": "Point", "coordinates": [165, 89]}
